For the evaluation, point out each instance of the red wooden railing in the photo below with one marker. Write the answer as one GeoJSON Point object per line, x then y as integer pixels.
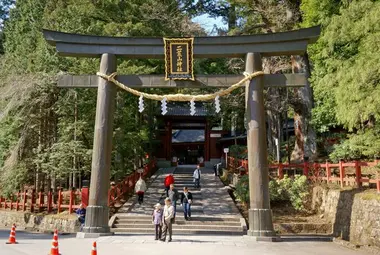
{"type": "Point", "coordinates": [38, 202]}
{"type": "Point", "coordinates": [117, 191]}
{"type": "Point", "coordinates": [322, 171]}
{"type": "Point", "coordinates": [68, 200]}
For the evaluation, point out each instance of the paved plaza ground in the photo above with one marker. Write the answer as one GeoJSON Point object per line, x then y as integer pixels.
{"type": "Point", "coordinates": [33, 244]}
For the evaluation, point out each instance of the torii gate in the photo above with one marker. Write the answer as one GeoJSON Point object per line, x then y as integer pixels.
{"type": "Point", "coordinates": [252, 47]}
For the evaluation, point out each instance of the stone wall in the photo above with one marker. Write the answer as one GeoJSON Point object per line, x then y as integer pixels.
{"type": "Point", "coordinates": [27, 221]}
{"type": "Point", "coordinates": [355, 215]}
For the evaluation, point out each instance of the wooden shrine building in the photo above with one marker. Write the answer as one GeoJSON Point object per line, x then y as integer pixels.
{"type": "Point", "coordinates": [188, 139]}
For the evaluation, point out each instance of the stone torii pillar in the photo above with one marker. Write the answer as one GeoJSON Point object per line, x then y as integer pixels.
{"type": "Point", "coordinates": [259, 213]}
{"type": "Point", "coordinates": [97, 214]}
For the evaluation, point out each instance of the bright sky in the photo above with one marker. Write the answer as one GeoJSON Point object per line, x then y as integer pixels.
{"type": "Point", "coordinates": [208, 23]}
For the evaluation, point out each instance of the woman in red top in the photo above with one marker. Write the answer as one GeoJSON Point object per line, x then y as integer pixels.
{"type": "Point", "coordinates": [168, 180]}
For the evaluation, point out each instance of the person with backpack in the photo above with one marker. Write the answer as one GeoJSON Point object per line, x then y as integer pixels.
{"type": "Point", "coordinates": [186, 201]}
{"type": "Point", "coordinates": [197, 177]}
{"type": "Point", "coordinates": [140, 189]}
{"type": "Point", "coordinates": [168, 180]}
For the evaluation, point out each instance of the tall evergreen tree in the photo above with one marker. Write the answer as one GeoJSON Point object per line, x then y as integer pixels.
{"type": "Point", "coordinates": [48, 132]}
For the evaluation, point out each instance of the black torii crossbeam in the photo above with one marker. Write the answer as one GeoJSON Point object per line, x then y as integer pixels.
{"type": "Point", "coordinates": [250, 47]}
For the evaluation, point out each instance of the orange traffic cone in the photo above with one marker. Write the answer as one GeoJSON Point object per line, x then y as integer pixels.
{"type": "Point", "coordinates": [12, 236]}
{"type": "Point", "coordinates": [54, 244]}
{"type": "Point", "coordinates": [94, 252]}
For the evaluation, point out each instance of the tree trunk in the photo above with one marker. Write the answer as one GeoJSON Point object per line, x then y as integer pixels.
{"type": "Point", "coordinates": [279, 137]}
{"type": "Point", "coordinates": [269, 123]}
{"type": "Point", "coordinates": [232, 17]}
{"type": "Point", "coordinates": [305, 144]}
{"type": "Point", "coordinates": [75, 185]}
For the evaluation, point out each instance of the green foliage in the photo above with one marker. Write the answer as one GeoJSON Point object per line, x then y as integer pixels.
{"type": "Point", "coordinates": [365, 143]}
{"type": "Point", "coordinates": [346, 74]}
{"type": "Point", "coordinates": [317, 12]}
{"type": "Point", "coordinates": [294, 189]}
{"type": "Point", "coordinates": [289, 189]}
{"type": "Point", "coordinates": [49, 131]}
{"type": "Point", "coordinates": [238, 151]}
{"type": "Point", "coordinates": [242, 189]}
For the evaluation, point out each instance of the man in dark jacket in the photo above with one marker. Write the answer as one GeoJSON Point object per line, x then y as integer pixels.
{"type": "Point", "coordinates": [81, 214]}
{"type": "Point", "coordinates": [186, 201]}
{"type": "Point", "coordinates": [174, 196]}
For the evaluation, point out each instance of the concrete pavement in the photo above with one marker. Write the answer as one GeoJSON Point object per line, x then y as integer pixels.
{"type": "Point", "coordinates": [33, 244]}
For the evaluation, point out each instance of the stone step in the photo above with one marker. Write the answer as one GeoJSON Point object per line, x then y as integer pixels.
{"type": "Point", "coordinates": [182, 226]}
{"type": "Point", "coordinates": [179, 217]}
{"type": "Point", "coordinates": [177, 222]}
{"type": "Point", "coordinates": [177, 231]}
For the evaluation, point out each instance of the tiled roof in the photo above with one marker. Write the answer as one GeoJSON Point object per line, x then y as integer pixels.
{"type": "Point", "coordinates": [183, 109]}
{"type": "Point", "coordinates": [187, 136]}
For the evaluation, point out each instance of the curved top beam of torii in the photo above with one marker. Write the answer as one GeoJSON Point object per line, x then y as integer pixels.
{"type": "Point", "coordinates": [275, 44]}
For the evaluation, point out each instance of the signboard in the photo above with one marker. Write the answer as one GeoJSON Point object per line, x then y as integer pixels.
{"type": "Point", "coordinates": [215, 135]}
{"type": "Point", "coordinates": [226, 150]}
{"type": "Point", "coordinates": [179, 58]}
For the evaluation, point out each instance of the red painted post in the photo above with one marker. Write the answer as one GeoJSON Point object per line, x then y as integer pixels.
{"type": "Point", "coordinates": [1, 201]}
{"type": "Point", "coordinates": [18, 200]}
{"type": "Point", "coordinates": [49, 201]}
{"type": "Point", "coordinates": [358, 174]}
{"type": "Point", "coordinates": [32, 201]}
{"type": "Point", "coordinates": [11, 203]}
{"type": "Point", "coordinates": [341, 173]}
{"type": "Point", "coordinates": [109, 196]}
{"type": "Point", "coordinates": [306, 169]}
{"type": "Point", "coordinates": [71, 201]}
{"type": "Point", "coordinates": [40, 201]}
{"type": "Point", "coordinates": [24, 200]}
{"type": "Point", "coordinates": [378, 185]}
{"type": "Point", "coordinates": [280, 171]}
{"type": "Point", "coordinates": [59, 200]}
{"type": "Point", "coordinates": [84, 196]}
{"type": "Point", "coordinates": [328, 172]}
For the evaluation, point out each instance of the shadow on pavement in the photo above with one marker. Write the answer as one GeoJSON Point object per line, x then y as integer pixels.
{"type": "Point", "coordinates": [307, 238]}
{"type": "Point", "coordinates": [22, 235]}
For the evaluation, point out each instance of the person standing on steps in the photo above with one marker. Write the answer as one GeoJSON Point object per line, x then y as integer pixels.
{"type": "Point", "coordinates": [173, 195]}
{"type": "Point", "coordinates": [157, 220]}
{"type": "Point", "coordinates": [186, 200]}
{"type": "Point", "coordinates": [167, 218]}
{"type": "Point", "coordinates": [140, 189]}
{"type": "Point", "coordinates": [197, 177]}
{"type": "Point", "coordinates": [168, 180]}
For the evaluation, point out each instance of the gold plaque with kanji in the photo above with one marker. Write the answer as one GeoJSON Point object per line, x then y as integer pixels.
{"type": "Point", "coordinates": [179, 58]}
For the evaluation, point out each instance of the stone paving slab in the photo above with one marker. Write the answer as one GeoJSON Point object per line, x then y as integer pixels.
{"type": "Point", "coordinates": [33, 244]}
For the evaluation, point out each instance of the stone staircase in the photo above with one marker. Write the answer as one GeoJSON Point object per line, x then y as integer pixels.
{"type": "Point", "coordinates": [213, 210]}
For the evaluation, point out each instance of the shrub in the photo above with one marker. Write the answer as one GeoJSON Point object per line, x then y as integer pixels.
{"type": "Point", "coordinates": [242, 189]}
{"type": "Point", "coordinates": [294, 190]}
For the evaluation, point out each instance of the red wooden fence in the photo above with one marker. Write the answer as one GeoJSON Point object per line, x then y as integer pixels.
{"type": "Point", "coordinates": [323, 171]}
{"type": "Point", "coordinates": [38, 202]}
{"type": "Point", "coordinates": [68, 200]}
{"type": "Point", "coordinates": [118, 191]}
